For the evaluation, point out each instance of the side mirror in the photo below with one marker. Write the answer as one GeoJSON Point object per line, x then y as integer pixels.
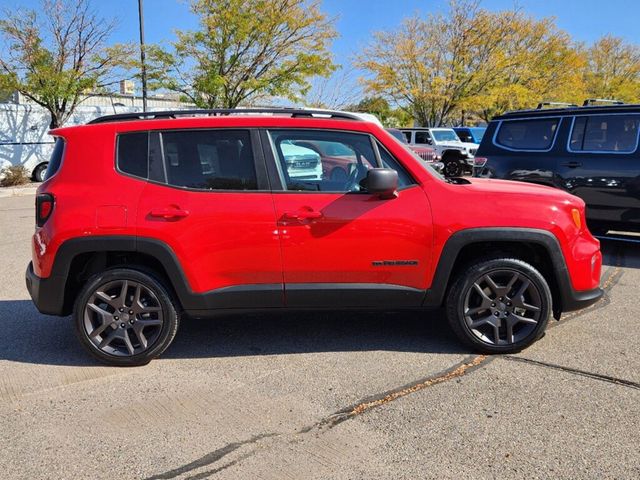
{"type": "Point", "coordinates": [382, 182]}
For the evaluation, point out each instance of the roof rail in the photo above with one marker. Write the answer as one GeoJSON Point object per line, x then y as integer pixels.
{"type": "Point", "coordinates": [541, 105]}
{"type": "Point", "coordinates": [293, 112]}
{"type": "Point", "coordinates": [590, 101]}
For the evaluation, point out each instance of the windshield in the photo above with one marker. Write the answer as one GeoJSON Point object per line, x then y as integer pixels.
{"type": "Point", "coordinates": [445, 135]}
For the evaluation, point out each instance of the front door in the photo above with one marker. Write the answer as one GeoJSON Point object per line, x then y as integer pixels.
{"type": "Point", "coordinates": [342, 246]}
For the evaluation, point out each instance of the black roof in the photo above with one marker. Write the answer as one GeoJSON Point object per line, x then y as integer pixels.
{"type": "Point", "coordinates": [573, 110]}
{"type": "Point", "coordinates": [292, 112]}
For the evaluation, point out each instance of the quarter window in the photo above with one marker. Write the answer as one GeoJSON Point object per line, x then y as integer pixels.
{"type": "Point", "coordinates": [537, 134]}
{"type": "Point", "coordinates": [605, 133]}
{"type": "Point", "coordinates": [404, 179]}
{"type": "Point", "coordinates": [56, 159]}
{"type": "Point", "coordinates": [132, 153]}
{"type": "Point", "coordinates": [209, 159]}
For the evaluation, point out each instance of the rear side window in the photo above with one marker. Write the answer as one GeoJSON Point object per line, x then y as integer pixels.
{"type": "Point", "coordinates": [133, 151]}
{"type": "Point", "coordinates": [56, 159]}
{"type": "Point", "coordinates": [605, 133]}
{"type": "Point", "coordinates": [209, 159]}
{"type": "Point", "coordinates": [537, 134]}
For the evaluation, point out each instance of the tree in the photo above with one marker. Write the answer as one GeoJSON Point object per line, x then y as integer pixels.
{"type": "Point", "coordinates": [544, 66]}
{"type": "Point", "coordinates": [58, 56]}
{"type": "Point", "coordinates": [613, 70]}
{"type": "Point", "coordinates": [246, 49]}
{"type": "Point", "coordinates": [470, 60]}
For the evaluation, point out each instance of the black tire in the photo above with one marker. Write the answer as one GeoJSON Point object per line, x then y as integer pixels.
{"type": "Point", "coordinates": [140, 322]}
{"type": "Point", "coordinates": [39, 172]}
{"type": "Point", "coordinates": [452, 166]}
{"type": "Point", "coordinates": [501, 311]}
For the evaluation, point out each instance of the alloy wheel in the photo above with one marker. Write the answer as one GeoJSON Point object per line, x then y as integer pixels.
{"type": "Point", "coordinates": [123, 318]}
{"type": "Point", "coordinates": [502, 307]}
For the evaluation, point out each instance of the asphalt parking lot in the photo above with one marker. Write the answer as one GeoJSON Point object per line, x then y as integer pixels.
{"type": "Point", "coordinates": [321, 395]}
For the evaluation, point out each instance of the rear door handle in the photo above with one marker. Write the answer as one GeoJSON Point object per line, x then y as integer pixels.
{"type": "Point", "coordinates": [169, 213]}
{"type": "Point", "coordinates": [571, 164]}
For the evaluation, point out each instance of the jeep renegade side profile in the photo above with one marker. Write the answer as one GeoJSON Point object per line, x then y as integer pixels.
{"type": "Point", "coordinates": [145, 218]}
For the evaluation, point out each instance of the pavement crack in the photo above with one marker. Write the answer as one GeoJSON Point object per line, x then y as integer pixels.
{"type": "Point", "coordinates": [211, 458]}
{"type": "Point", "coordinates": [575, 371]}
{"type": "Point", "coordinates": [380, 399]}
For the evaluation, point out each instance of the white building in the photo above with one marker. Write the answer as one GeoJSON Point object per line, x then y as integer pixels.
{"type": "Point", "coordinates": [24, 125]}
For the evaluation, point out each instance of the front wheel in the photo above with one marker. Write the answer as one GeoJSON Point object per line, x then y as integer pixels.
{"type": "Point", "coordinates": [499, 305]}
{"type": "Point", "coordinates": [452, 167]}
{"type": "Point", "coordinates": [125, 317]}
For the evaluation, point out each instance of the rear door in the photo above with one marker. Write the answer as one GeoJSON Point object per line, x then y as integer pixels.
{"type": "Point", "coordinates": [602, 166]}
{"type": "Point", "coordinates": [342, 246]}
{"type": "Point", "coordinates": [208, 199]}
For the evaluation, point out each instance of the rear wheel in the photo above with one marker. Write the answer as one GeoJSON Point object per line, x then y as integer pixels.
{"type": "Point", "coordinates": [499, 305]}
{"type": "Point", "coordinates": [125, 317]}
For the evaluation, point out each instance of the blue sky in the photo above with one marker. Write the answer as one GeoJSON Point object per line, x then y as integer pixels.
{"type": "Point", "coordinates": [585, 20]}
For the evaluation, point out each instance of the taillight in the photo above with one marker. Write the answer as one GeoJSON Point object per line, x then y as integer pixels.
{"type": "Point", "coordinates": [44, 207]}
{"type": "Point", "coordinates": [479, 162]}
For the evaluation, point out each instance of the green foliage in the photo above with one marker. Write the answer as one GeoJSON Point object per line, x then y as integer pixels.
{"type": "Point", "coordinates": [13, 176]}
{"type": "Point", "coordinates": [58, 55]}
{"type": "Point", "coordinates": [245, 50]}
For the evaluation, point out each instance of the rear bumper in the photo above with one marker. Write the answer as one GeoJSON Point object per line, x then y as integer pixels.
{"type": "Point", "coordinates": [47, 293]}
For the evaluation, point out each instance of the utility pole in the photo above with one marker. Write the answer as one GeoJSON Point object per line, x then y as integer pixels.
{"type": "Point", "coordinates": [142, 57]}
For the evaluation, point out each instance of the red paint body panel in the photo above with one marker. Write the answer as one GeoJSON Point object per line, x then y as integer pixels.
{"type": "Point", "coordinates": [238, 238]}
{"type": "Point", "coordinates": [353, 232]}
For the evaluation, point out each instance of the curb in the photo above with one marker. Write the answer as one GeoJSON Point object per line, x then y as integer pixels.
{"type": "Point", "coordinates": [18, 191]}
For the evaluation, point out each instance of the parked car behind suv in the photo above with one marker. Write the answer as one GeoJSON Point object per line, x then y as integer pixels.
{"type": "Point", "coordinates": [470, 134]}
{"type": "Point", "coordinates": [428, 154]}
{"type": "Point", "coordinates": [456, 155]}
{"type": "Point", "coordinates": [589, 151]}
{"type": "Point", "coordinates": [145, 219]}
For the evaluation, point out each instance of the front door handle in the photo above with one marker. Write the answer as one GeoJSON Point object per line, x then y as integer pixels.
{"type": "Point", "coordinates": [300, 215]}
{"type": "Point", "coordinates": [169, 213]}
{"type": "Point", "coordinates": [571, 164]}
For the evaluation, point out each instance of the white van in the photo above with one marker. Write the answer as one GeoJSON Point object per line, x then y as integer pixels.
{"type": "Point", "coordinates": [24, 133]}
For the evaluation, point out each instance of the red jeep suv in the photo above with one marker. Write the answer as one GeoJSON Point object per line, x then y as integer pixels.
{"type": "Point", "coordinates": [146, 218]}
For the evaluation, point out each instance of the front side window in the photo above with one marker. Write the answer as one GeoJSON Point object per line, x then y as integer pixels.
{"type": "Point", "coordinates": [318, 161]}
{"type": "Point", "coordinates": [605, 133]}
{"type": "Point", "coordinates": [209, 159]}
{"type": "Point", "coordinates": [133, 151]}
{"type": "Point", "coordinates": [423, 137]}
{"type": "Point", "coordinates": [530, 134]}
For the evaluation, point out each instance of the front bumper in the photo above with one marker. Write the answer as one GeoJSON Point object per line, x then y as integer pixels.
{"type": "Point", "coordinates": [577, 300]}
{"type": "Point", "coordinates": [47, 293]}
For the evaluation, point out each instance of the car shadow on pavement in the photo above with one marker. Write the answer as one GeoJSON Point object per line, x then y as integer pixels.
{"type": "Point", "coordinates": [30, 337]}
